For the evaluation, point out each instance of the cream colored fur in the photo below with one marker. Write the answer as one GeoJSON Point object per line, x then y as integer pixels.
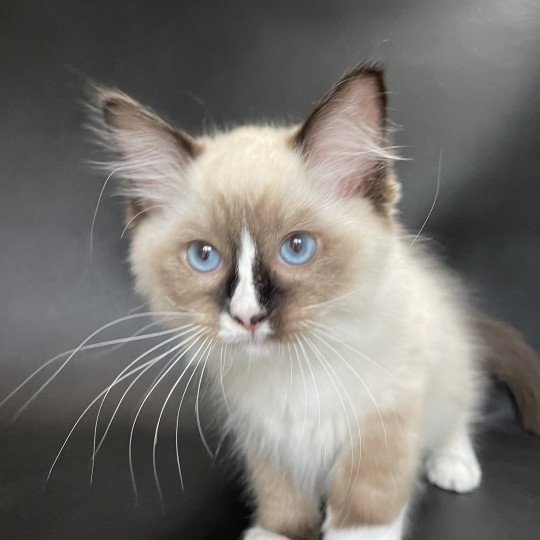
{"type": "Point", "coordinates": [398, 332]}
{"type": "Point", "coordinates": [372, 328]}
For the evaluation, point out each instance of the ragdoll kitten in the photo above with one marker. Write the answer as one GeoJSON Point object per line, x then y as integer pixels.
{"type": "Point", "coordinates": [344, 357]}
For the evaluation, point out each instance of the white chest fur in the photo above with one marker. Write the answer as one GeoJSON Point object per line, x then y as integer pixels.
{"type": "Point", "coordinates": [301, 411]}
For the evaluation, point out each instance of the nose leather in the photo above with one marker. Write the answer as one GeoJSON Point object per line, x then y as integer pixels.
{"type": "Point", "coordinates": [251, 321]}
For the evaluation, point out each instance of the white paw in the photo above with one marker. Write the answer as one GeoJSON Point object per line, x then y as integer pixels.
{"type": "Point", "coordinates": [363, 533]}
{"type": "Point", "coordinates": [257, 533]}
{"type": "Point", "coordinates": [454, 473]}
{"type": "Point", "coordinates": [392, 531]}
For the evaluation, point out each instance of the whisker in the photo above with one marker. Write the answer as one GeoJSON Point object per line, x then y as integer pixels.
{"type": "Point", "coordinates": [81, 416]}
{"type": "Point", "coordinates": [323, 332]}
{"type": "Point", "coordinates": [220, 444]}
{"type": "Point", "coordinates": [197, 414]}
{"type": "Point", "coordinates": [291, 371]}
{"type": "Point", "coordinates": [136, 216]}
{"type": "Point", "coordinates": [315, 387]}
{"type": "Point", "coordinates": [222, 359]}
{"type": "Point", "coordinates": [333, 300]}
{"type": "Point", "coordinates": [130, 449]}
{"type": "Point", "coordinates": [96, 211]}
{"type": "Point", "coordinates": [156, 378]}
{"type": "Point", "coordinates": [305, 395]}
{"type": "Point", "coordinates": [84, 347]}
{"type": "Point", "coordinates": [157, 359]}
{"type": "Point", "coordinates": [136, 308]}
{"type": "Point", "coordinates": [439, 169]}
{"type": "Point", "coordinates": [129, 340]}
{"type": "Point", "coordinates": [156, 431]}
{"type": "Point", "coordinates": [359, 377]}
{"type": "Point", "coordinates": [357, 427]}
{"type": "Point", "coordinates": [326, 366]}
{"type": "Point", "coordinates": [177, 448]}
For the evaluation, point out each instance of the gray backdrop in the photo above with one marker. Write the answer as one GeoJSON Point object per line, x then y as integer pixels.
{"type": "Point", "coordinates": [463, 77]}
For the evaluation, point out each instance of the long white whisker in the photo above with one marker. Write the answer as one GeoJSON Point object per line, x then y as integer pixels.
{"type": "Point", "coordinates": [326, 366]}
{"type": "Point", "coordinates": [81, 416]}
{"type": "Point", "coordinates": [220, 444]}
{"type": "Point", "coordinates": [156, 378]}
{"type": "Point", "coordinates": [180, 407]}
{"type": "Point", "coordinates": [197, 414]}
{"type": "Point", "coordinates": [439, 169]}
{"type": "Point", "coordinates": [82, 347]}
{"type": "Point", "coordinates": [333, 300]}
{"type": "Point", "coordinates": [136, 308]}
{"type": "Point", "coordinates": [291, 371]}
{"type": "Point", "coordinates": [96, 211]}
{"type": "Point", "coordinates": [222, 359]}
{"type": "Point", "coordinates": [305, 395]}
{"type": "Point", "coordinates": [157, 359]}
{"type": "Point", "coordinates": [323, 332]}
{"type": "Point", "coordinates": [125, 341]}
{"type": "Point", "coordinates": [156, 431]}
{"type": "Point", "coordinates": [315, 387]}
{"type": "Point", "coordinates": [130, 449]}
{"type": "Point", "coordinates": [136, 216]}
{"type": "Point", "coordinates": [357, 426]}
{"type": "Point", "coordinates": [359, 377]}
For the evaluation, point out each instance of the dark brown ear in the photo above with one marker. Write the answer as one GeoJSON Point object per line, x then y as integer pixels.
{"type": "Point", "coordinates": [344, 140]}
{"type": "Point", "coordinates": [151, 157]}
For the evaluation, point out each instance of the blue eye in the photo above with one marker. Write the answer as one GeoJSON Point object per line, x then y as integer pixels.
{"type": "Point", "coordinates": [203, 257]}
{"type": "Point", "coordinates": [298, 248]}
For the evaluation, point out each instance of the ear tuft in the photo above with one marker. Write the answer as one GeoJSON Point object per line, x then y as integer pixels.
{"type": "Point", "coordinates": [150, 158]}
{"type": "Point", "coordinates": [344, 139]}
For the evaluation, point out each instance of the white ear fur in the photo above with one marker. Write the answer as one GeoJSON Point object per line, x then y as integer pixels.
{"type": "Point", "coordinates": [151, 156]}
{"type": "Point", "coordinates": [343, 140]}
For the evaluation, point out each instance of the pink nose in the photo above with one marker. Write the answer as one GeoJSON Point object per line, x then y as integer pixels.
{"type": "Point", "coordinates": [249, 322]}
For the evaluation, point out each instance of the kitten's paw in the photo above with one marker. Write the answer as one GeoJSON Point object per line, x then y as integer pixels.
{"type": "Point", "coordinates": [363, 533]}
{"type": "Point", "coordinates": [454, 473]}
{"type": "Point", "coordinates": [392, 531]}
{"type": "Point", "coordinates": [257, 533]}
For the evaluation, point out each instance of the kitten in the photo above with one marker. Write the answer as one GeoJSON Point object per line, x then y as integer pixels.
{"type": "Point", "coordinates": [344, 357]}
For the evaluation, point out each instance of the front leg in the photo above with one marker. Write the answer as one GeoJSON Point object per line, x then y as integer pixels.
{"type": "Point", "coordinates": [283, 512]}
{"type": "Point", "coordinates": [372, 486]}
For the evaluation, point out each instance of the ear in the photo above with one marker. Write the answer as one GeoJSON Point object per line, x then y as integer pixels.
{"type": "Point", "coordinates": [344, 140]}
{"type": "Point", "coordinates": [151, 157]}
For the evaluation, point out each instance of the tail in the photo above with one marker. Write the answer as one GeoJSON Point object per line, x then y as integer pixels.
{"type": "Point", "coordinates": [515, 363]}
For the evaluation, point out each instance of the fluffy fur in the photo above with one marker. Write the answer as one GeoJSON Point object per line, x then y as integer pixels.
{"type": "Point", "coordinates": [364, 363]}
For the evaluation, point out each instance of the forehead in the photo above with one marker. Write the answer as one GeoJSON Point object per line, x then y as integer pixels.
{"type": "Point", "coordinates": [247, 160]}
{"type": "Point", "coordinates": [251, 179]}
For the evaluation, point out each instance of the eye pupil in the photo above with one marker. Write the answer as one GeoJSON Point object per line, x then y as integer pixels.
{"type": "Point", "coordinates": [296, 244]}
{"type": "Point", "coordinates": [205, 252]}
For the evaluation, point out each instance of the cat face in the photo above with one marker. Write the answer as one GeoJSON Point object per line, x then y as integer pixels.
{"type": "Point", "coordinates": [259, 231]}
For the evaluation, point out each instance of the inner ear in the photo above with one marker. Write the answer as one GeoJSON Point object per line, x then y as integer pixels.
{"type": "Point", "coordinates": [126, 117]}
{"type": "Point", "coordinates": [151, 158]}
{"type": "Point", "coordinates": [359, 94]}
{"type": "Point", "coordinates": [343, 140]}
